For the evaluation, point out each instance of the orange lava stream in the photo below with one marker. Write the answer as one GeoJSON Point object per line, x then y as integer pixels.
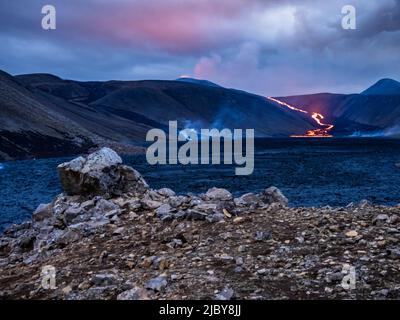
{"type": "Point", "coordinates": [286, 105]}
{"type": "Point", "coordinates": [317, 117]}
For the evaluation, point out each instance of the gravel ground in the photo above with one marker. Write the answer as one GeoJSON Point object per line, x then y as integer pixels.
{"type": "Point", "coordinates": [279, 253]}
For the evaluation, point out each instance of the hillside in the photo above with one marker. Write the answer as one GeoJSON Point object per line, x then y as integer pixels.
{"type": "Point", "coordinates": [374, 110]}
{"type": "Point", "coordinates": [100, 113]}
{"type": "Point", "coordinates": [29, 127]}
{"type": "Point", "coordinates": [384, 87]}
{"type": "Point", "coordinates": [43, 115]}
{"type": "Point", "coordinates": [153, 103]}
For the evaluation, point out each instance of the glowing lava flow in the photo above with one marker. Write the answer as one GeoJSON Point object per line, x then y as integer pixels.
{"type": "Point", "coordinates": [286, 105]}
{"type": "Point", "coordinates": [317, 117]}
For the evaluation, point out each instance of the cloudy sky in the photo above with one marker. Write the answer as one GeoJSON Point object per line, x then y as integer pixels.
{"type": "Point", "coordinates": [277, 47]}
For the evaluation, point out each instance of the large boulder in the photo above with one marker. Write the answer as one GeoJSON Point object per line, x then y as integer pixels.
{"type": "Point", "coordinates": [100, 174]}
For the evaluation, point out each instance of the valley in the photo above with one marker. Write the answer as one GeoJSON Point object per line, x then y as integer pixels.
{"type": "Point", "coordinates": [42, 115]}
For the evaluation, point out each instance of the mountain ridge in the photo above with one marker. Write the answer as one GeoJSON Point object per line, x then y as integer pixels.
{"type": "Point", "coordinates": [198, 81]}
{"type": "Point", "coordinates": [385, 86]}
{"type": "Point", "coordinates": [45, 115]}
{"type": "Point", "coordinates": [122, 112]}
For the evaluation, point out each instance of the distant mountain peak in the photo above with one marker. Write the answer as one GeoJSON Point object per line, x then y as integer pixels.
{"type": "Point", "coordinates": [38, 78]}
{"type": "Point", "coordinates": [384, 86]}
{"type": "Point", "coordinates": [198, 81]}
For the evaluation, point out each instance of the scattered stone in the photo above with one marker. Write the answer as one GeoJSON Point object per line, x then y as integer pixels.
{"type": "Point", "coordinates": [176, 201]}
{"type": "Point", "coordinates": [87, 205]}
{"type": "Point", "coordinates": [394, 219]}
{"type": "Point", "coordinates": [66, 290]}
{"type": "Point", "coordinates": [274, 195]}
{"type": "Point", "coordinates": [167, 217]}
{"type": "Point", "coordinates": [132, 205]}
{"type": "Point", "coordinates": [394, 253]}
{"type": "Point", "coordinates": [175, 243]}
{"type": "Point", "coordinates": [196, 215]}
{"type": "Point", "coordinates": [179, 215]}
{"type": "Point", "coordinates": [147, 262]}
{"type": "Point", "coordinates": [163, 210]}
{"type": "Point", "coordinates": [135, 293]}
{"type": "Point", "coordinates": [238, 219]}
{"type": "Point", "coordinates": [382, 293]}
{"type": "Point", "coordinates": [206, 207]}
{"type": "Point", "coordinates": [380, 219]}
{"type": "Point", "coordinates": [248, 199]}
{"type": "Point", "coordinates": [119, 231]}
{"type": "Point", "coordinates": [27, 242]}
{"type": "Point", "coordinates": [151, 204]}
{"type": "Point", "coordinates": [43, 211]}
{"type": "Point", "coordinates": [226, 213]}
{"type": "Point", "coordinates": [218, 194]}
{"type": "Point", "coordinates": [352, 234]}
{"type": "Point", "coordinates": [104, 279]}
{"type": "Point", "coordinates": [262, 271]}
{"type": "Point", "coordinates": [166, 192]}
{"type": "Point", "coordinates": [226, 294]}
{"type": "Point", "coordinates": [216, 217]}
{"type": "Point", "coordinates": [104, 206]}
{"type": "Point", "coordinates": [157, 284]}
{"type": "Point", "coordinates": [335, 277]}
{"type": "Point", "coordinates": [262, 235]}
{"type": "Point", "coordinates": [160, 263]}
{"type": "Point", "coordinates": [239, 261]}
{"type": "Point", "coordinates": [71, 213]}
{"type": "Point", "coordinates": [69, 237]}
{"type": "Point", "coordinates": [225, 257]}
{"type": "Point", "coordinates": [363, 204]}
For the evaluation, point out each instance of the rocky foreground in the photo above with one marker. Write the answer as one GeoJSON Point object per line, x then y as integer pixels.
{"type": "Point", "coordinates": [109, 236]}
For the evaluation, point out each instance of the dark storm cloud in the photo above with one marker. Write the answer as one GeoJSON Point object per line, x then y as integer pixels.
{"type": "Point", "coordinates": [385, 19]}
{"type": "Point", "coordinates": [269, 47]}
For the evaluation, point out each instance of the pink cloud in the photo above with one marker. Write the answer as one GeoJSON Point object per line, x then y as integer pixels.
{"type": "Point", "coordinates": [207, 67]}
{"type": "Point", "coordinates": [172, 25]}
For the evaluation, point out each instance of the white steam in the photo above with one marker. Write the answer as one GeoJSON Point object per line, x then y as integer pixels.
{"type": "Point", "coordinates": [389, 132]}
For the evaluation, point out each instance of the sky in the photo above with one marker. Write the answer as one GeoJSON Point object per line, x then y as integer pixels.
{"type": "Point", "coordinates": [277, 47]}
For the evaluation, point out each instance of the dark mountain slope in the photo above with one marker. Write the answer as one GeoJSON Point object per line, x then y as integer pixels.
{"type": "Point", "coordinates": [144, 104]}
{"type": "Point", "coordinates": [384, 87]}
{"type": "Point", "coordinates": [198, 81]}
{"type": "Point", "coordinates": [30, 128]}
{"type": "Point", "coordinates": [355, 112]}
{"type": "Point", "coordinates": [203, 106]}
{"type": "Point", "coordinates": [44, 115]}
{"type": "Point", "coordinates": [324, 103]}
